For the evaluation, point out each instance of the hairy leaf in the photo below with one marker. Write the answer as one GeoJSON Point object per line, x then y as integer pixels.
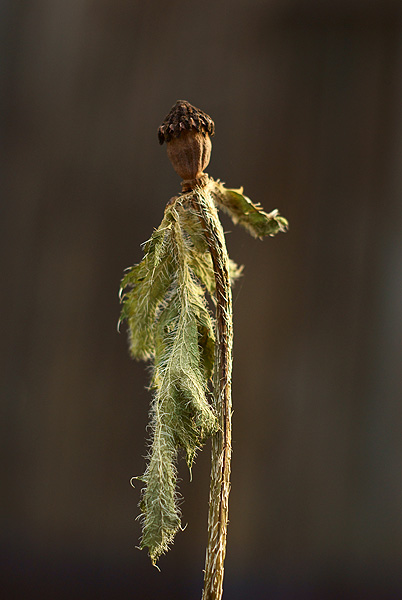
{"type": "Point", "coordinates": [246, 213]}
{"type": "Point", "coordinates": [168, 319]}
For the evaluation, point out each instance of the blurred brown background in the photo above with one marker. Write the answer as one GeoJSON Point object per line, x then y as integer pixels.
{"type": "Point", "coordinates": [306, 96]}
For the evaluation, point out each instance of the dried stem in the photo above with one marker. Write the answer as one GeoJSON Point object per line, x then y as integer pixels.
{"type": "Point", "coordinates": [221, 441]}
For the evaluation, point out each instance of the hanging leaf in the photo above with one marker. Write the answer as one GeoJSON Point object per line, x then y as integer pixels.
{"type": "Point", "coordinates": [168, 319]}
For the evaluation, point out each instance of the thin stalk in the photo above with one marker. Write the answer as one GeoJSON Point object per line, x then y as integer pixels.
{"type": "Point", "coordinates": [221, 441]}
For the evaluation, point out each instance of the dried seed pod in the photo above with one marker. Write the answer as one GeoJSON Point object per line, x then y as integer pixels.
{"type": "Point", "coordinates": [186, 131]}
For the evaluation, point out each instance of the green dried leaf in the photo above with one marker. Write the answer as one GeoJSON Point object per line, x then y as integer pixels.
{"type": "Point", "coordinates": [185, 341]}
{"type": "Point", "coordinates": [169, 320]}
{"type": "Point", "coordinates": [246, 213]}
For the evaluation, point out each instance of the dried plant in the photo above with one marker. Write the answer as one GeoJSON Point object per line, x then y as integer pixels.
{"type": "Point", "coordinates": [165, 307]}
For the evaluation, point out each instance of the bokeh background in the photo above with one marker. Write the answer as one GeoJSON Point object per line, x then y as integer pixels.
{"type": "Point", "coordinates": [306, 96]}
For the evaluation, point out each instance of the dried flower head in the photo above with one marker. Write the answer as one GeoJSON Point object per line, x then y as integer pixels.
{"type": "Point", "coordinates": [186, 131]}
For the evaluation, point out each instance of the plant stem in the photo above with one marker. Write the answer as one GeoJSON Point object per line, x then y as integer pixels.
{"type": "Point", "coordinates": [221, 441]}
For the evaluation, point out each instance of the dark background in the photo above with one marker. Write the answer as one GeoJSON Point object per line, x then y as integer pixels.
{"type": "Point", "coordinates": [306, 96]}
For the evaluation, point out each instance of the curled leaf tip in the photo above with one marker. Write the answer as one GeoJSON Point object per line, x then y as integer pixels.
{"type": "Point", "coordinates": [247, 213]}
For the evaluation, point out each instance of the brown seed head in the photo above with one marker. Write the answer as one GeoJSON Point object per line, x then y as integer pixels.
{"type": "Point", "coordinates": [186, 131]}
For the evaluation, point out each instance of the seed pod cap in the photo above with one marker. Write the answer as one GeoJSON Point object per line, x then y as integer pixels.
{"type": "Point", "coordinates": [183, 116]}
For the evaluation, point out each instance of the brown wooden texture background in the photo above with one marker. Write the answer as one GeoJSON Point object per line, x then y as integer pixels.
{"type": "Point", "coordinates": [306, 96]}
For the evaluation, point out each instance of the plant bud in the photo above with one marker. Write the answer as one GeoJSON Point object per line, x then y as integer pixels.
{"type": "Point", "coordinates": [186, 131]}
